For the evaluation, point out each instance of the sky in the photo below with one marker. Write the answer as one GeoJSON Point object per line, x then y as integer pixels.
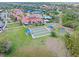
{"type": "Point", "coordinates": [39, 0]}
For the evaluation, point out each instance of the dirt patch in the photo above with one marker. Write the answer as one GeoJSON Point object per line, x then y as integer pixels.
{"type": "Point", "coordinates": [1, 55]}
{"type": "Point", "coordinates": [57, 46]}
{"type": "Point", "coordinates": [33, 52]}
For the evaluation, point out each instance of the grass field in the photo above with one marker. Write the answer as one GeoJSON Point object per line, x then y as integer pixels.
{"type": "Point", "coordinates": [12, 25]}
{"type": "Point", "coordinates": [24, 45]}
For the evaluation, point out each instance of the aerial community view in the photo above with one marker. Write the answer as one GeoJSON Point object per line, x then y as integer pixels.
{"type": "Point", "coordinates": [39, 29]}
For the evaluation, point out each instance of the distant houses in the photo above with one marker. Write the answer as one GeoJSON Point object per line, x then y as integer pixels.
{"type": "Point", "coordinates": [17, 13]}
{"type": "Point", "coordinates": [47, 17]}
{"type": "Point", "coordinates": [33, 11]}
{"type": "Point", "coordinates": [37, 12]}
{"type": "Point", "coordinates": [3, 17]}
{"type": "Point", "coordinates": [30, 20]}
{"type": "Point", "coordinates": [31, 16]}
{"type": "Point", "coordinates": [4, 14]}
{"type": "Point", "coordinates": [46, 7]}
{"type": "Point", "coordinates": [1, 25]}
{"type": "Point", "coordinates": [27, 11]}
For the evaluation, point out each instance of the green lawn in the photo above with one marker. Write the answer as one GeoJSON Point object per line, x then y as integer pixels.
{"type": "Point", "coordinates": [12, 25]}
{"type": "Point", "coordinates": [24, 45]}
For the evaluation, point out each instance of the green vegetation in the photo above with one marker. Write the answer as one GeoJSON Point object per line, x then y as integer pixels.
{"type": "Point", "coordinates": [12, 25]}
{"type": "Point", "coordinates": [53, 34]}
{"type": "Point", "coordinates": [24, 45]}
{"type": "Point", "coordinates": [5, 46]}
{"type": "Point", "coordinates": [72, 43]}
{"type": "Point", "coordinates": [70, 19]}
{"type": "Point", "coordinates": [14, 41]}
